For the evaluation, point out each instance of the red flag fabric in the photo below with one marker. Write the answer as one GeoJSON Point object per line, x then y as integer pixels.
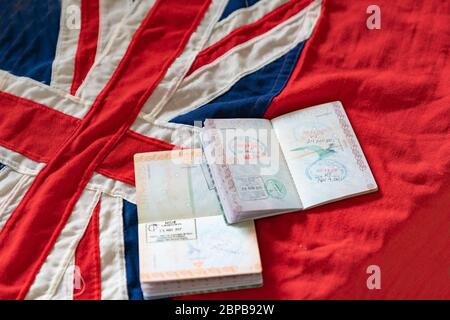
{"type": "Point", "coordinates": [395, 85]}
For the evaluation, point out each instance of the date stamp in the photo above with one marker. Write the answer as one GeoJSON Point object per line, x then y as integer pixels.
{"type": "Point", "coordinates": [250, 188]}
{"type": "Point", "coordinates": [171, 230]}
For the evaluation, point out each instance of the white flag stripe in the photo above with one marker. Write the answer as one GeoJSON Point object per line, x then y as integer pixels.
{"type": "Point", "coordinates": [64, 291]}
{"type": "Point", "coordinates": [181, 65]}
{"type": "Point", "coordinates": [13, 186]}
{"type": "Point", "coordinates": [112, 251]}
{"type": "Point", "coordinates": [107, 62]}
{"type": "Point", "coordinates": [242, 17]}
{"type": "Point", "coordinates": [216, 78]}
{"type": "Point", "coordinates": [111, 14]}
{"type": "Point", "coordinates": [67, 45]}
{"type": "Point", "coordinates": [52, 272]}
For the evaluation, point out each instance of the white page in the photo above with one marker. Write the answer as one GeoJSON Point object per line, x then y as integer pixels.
{"type": "Point", "coordinates": [182, 231]}
{"type": "Point", "coordinates": [323, 154]}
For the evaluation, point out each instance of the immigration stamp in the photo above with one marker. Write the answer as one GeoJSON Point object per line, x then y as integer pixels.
{"type": "Point", "coordinates": [247, 148]}
{"type": "Point", "coordinates": [171, 230]}
{"type": "Point", "coordinates": [326, 170]}
{"type": "Point", "coordinates": [250, 188]}
{"type": "Point", "coordinates": [275, 188]}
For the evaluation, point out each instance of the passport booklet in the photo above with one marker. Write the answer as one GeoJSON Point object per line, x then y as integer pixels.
{"type": "Point", "coordinates": [185, 245]}
{"type": "Point", "coordinates": [299, 160]}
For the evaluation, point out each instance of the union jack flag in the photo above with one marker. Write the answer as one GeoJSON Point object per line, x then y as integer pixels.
{"type": "Point", "coordinates": [86, 84]}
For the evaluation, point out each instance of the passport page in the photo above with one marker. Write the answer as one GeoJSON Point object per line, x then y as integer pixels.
{"type": "Point", "coordinates": [323, 154]}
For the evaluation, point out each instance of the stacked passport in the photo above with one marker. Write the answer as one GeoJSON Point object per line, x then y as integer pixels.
{"type": "Point", "coordinates": [254, 168]}
{"type": "Point", "coordinates": [185, 246]}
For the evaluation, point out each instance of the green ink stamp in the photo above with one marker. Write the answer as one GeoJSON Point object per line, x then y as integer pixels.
{"type": "Point", "coordinates": [275, 188]}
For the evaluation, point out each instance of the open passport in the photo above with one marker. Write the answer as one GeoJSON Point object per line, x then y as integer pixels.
{"type": "Point", "coordinates": [185, 245]}
{"type": "Point", "coordinates": [296, 161]}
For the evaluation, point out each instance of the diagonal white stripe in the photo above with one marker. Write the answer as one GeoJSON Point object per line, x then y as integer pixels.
{"type": "Point", "coordinates": [38, 92]}
{"type": "Point", "coordinates": [242, 17]}
{"type": "Point", "coordinates": [181, 65]}
{"type": "Point", "coordinates": [73, 106]}
{"type": "Point", "coordinates": [107, 62]}
{"type": "Point", "coordinates": [111, 15]}
{"type": "Point", "coordinates": [214, 79]}
{"type": "Point", "coordinates": [52, 272]}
